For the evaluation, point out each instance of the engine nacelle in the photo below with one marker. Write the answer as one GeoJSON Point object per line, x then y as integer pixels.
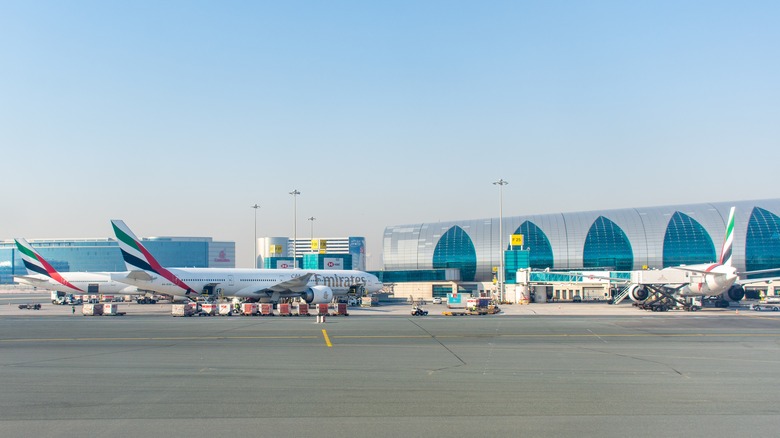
{"type": "Point", "coordinates": [735, 293]}
{"type": "Point", "coordinates": [638, 293]}
{"type": "Point", "coordinates": [318, 295]}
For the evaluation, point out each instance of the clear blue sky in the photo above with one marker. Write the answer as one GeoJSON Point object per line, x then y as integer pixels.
{"type": "Point", "coordinates": [177, 116]}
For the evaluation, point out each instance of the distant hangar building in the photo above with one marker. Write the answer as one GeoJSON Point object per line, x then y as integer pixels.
{"type": "Point", "coordinates": [619, 240]}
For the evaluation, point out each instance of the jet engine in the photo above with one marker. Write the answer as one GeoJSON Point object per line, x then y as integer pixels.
{"type": "Point", "coordinates": [318, 295]}
{"type": "Point", "coordinates": [638, 293]}
{"type": "Point", "coordinates": [735, 293]}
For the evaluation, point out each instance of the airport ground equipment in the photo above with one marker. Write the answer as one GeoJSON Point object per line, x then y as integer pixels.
{"type": "Point", "coordinates": [63, 299]}
{"type": "Point", "coordinates": [766, 306]}
{"type": "Point", "coordinates": [475, 306]}
{"type": "Point", "coordinates": [303, 309]}
{"type": "Point", "coordinates": [419, 311]}
{"type": "Point", "coordinates": [35, 306]}
{"type": "Point", "coordinates": [284, 309]}
{"type": "Point", "coordinates": [225, 309]}
{"type": "Point", "coordinates": [92, 309]}
{"type": "Point", "coordinates": [250, 309]}
{"type": "Point", "coordinates": [184, 309]}
{"type": "Point", "coordinates": [341, 309]}
{"type": "Point", "coordinates": [266, 309]}
{"type": "Point", "coordinates": [661, 299]}
{"type": "Point", "coordinates": [323, 309]}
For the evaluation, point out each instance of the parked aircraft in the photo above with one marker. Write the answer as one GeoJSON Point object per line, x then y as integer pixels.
{"type": "Point", "coordinates": [41, 274]}
{"type": "Point", "coordinates": [719, 279]}
{"type": "Point", "coordinates": [264, 285]}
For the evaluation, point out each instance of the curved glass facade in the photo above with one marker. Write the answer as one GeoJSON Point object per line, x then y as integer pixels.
{"type": "Point", "coordinates": [537, 242]}
{"type": "Point", "coordinates": [686, 242]}
{"type": "Point", "coordinates": [607, 246]}
{"type": "Point", "coordinates": [456, 250]}
{"type": "Point", "coordinates": [627, 238]}
{"type": "Point", "coordinates": [762, 243]}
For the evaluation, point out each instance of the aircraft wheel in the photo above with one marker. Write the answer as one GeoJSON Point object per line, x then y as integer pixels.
{"type": "Point", "coordinates": [775, 309]}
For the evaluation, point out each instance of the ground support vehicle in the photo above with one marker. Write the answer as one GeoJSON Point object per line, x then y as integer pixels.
{"type": "Point", "coordinates": [482, 309]}
{"type": "Point", "coordinates": [419, 311]}
{"type": "Point", "coordinates": [766, 306]}
{"type": "Point", "coordinates": [661, 301]}
{"type": "Point", "coordinates": [183, 309]}
{"type": "Point", "coordinates": [35, 306]}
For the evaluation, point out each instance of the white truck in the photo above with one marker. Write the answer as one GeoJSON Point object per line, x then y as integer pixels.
{"type": "Point", "coordinates": [64, 299]}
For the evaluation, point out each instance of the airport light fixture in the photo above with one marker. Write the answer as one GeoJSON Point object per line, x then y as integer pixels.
{"type": "Point", "coordinates": [312, 219]}
{"type": "Point", "coordinates": [295, 194]}
{"type": "Point", "coordinates": [501, 183]}
{"type": "Point", "coordinates": [255, 207]}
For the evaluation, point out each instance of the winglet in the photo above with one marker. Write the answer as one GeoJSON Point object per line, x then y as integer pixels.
{"type": "Point", "coordinates": [725, 254]}
{"type": "Point", "coordinates": [137, 257]}
{"type": "Point", "coordinates": [36, 264]}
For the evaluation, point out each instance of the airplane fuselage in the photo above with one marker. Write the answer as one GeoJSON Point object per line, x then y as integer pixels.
{"type": "Point", "coordinates": [716, 281]}
{"type": "Point", "coordinates": [83, 282]}
{"type": "Point", "coordinates": [253, 283]}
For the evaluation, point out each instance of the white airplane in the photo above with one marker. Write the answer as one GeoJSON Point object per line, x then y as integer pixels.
{"type": "Point", "coordinates": [41, 274]}
{"type": "Point", "coordinates": [705, 280]}
{"type": "Point", "coordinates": [263, 285]}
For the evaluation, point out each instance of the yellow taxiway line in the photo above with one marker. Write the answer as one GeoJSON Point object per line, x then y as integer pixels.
{"type": "Point", "coordinates": [327, 339]}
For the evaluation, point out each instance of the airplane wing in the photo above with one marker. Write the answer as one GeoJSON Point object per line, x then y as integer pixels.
{"type": "Point", "coordinates": [762, 271]}
{"type": "Point", "coordinates": [297, 284]}
{"type": "Point", "coordinates": [133, 275]}
{"type": "Point", "coordinates": [698, 271]}
{"type": "Point", "coordinates": [29, 280]}
{"type": "Point", "coordinates": [757, 280]}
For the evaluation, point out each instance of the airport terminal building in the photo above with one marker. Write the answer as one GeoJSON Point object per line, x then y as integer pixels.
{"type": "Point", "coordinates": [103, 255]}
{"type": "Point", "coordinates": [617, 240]}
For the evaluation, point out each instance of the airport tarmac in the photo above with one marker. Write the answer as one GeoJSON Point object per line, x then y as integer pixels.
{"type": "Point", "coordinates": [616, 371]}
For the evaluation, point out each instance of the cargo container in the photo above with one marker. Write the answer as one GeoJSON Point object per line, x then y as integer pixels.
{"type": "Point", "coordinates": [208, 309]}
{"type": "Point", "coordinates": [183, 309]}
{"type": "Point", "coordinates": [341, 309]}
{"type": "Point", "coordinates": [303, 309]}
{"type": "Point", "coordinates": [91, 309]}
{"type": "Point", "coordinates": [225, 309]}
{"type": "Point", "coordinates": [110, 309]}
{"type": "Point", "coordinates": [267, 309]}
{"type": "Point", "coordinates": [284, 309]}
{"type": "Point", "coordinates": [249, 309]}
{"type": "Point", "coordinates": [322, 309]}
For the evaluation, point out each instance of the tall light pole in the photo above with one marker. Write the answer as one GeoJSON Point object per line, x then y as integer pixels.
{"type": "Point", "coordinates": [255, 207]}
{"type": "Point", "coordinates": [501, 183]}
{"type": "Point", "coordinates": [295, 194]}
{"type": "Point", "coordinates": [312, 219]}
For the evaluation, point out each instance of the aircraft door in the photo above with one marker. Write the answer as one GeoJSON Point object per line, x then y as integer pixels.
{"type": "Point", "coordinates": [93, 288]}
{"type": "Point", "coordinates": [230, 280]}
{"type": "Point", "coordinates": [208, 290]}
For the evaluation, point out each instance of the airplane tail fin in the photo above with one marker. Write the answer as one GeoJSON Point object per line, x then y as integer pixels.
{"type": "Point", "coordinates": [133, 252]}
{"type": "Point", "coordinates": [36, 264]}
{"type": "Point", "coordinates": [137, 257]}
{"type": "Point", "coordinates": [725, 254]}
